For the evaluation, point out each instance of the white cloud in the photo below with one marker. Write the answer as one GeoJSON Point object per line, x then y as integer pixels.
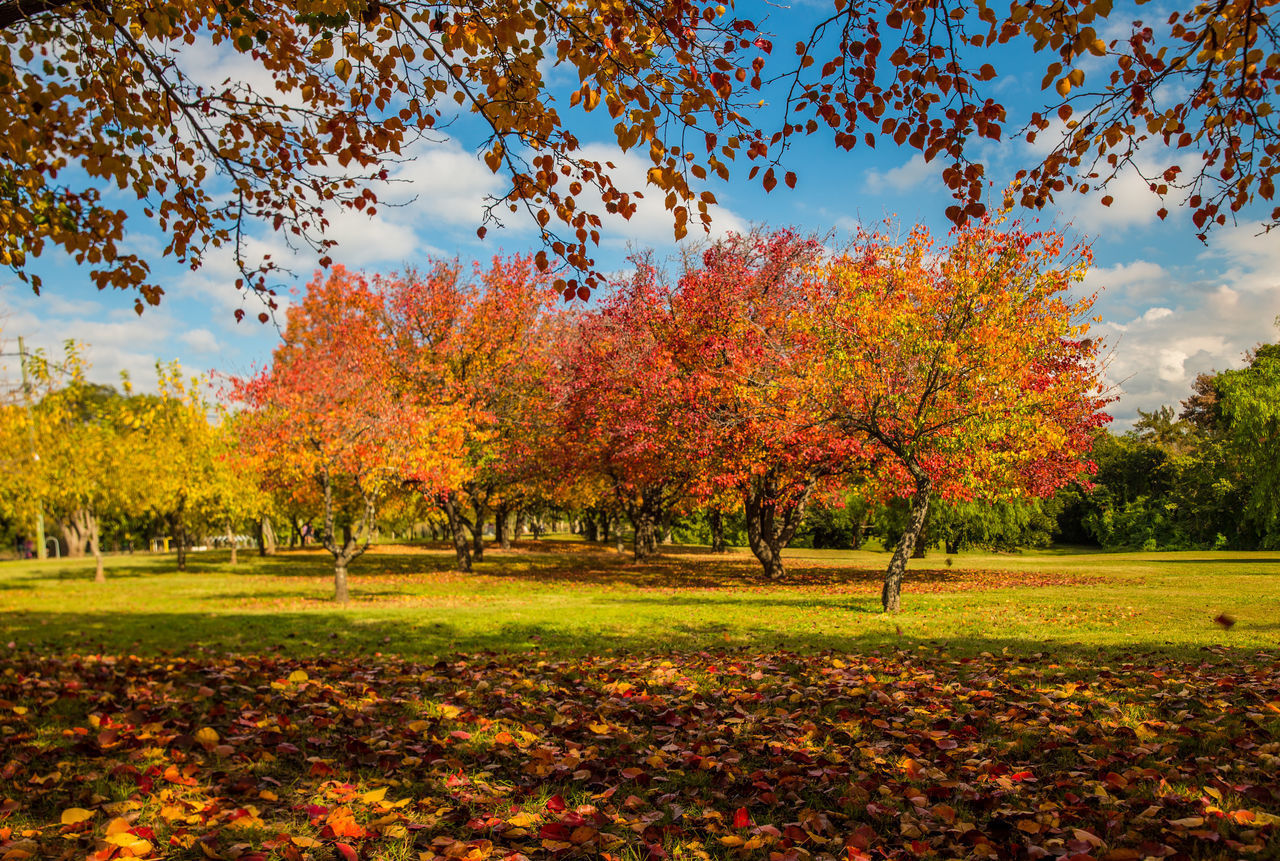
{"type": "Point", "coordinates": [200, 340]}
{"type": "Point", "coordinates": [904, 177]}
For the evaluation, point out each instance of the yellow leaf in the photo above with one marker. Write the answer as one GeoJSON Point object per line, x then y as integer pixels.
{"type": "Point", "coordinates": [76, 815]}
{"type": "Point", "coordinates": [119, 825]}
{"type": "Point", "coordinates": [207, 737]}
{"type": "Point", "coordinates": [523, 820]}
{"type": "Point", "coordinates": [343, 69]}
{"type": "Point", "coordinates": [298, 676]}
{"type": "Point", "coordinates": [373, 796]}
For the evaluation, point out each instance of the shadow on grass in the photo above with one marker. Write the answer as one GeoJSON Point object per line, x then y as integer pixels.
{"type": "Point", "coordinates": [342, 634]}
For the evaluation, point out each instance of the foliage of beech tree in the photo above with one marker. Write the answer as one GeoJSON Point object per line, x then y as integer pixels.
{"type": "Point", "coordinates": [325, 412]}
{"type": "Point", "coordinates": [111, 94]}
{"type": "Point", "coordinates": [734, 333]}
{"type": "Point", "coordinates": [968, 365]}
{"type": "Point", "coordinates": [482, 348]}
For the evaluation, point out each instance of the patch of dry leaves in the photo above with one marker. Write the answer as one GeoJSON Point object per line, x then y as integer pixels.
{"type": "Point", "coordinates": [899, 754]}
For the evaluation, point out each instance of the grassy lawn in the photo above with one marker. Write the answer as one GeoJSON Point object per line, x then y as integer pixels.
{"type": "Point", "coordinates": [562, 701]}
{"type": "Point", "coordinates": [568, 597]}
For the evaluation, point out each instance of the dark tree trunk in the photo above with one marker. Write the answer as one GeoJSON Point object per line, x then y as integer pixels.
{"type": "Point", "coordinates": [646, 517]}
{"type": "Point", "coordinates": [295, 537]}
{"type": "Point", "coordinates": [606, 524]}
{"type": "Point", "coordinates": [590, 531]}
{"type": "Point", "coordinates": [772, 519]}
{"type": "Point", "coordinates": [860, 531]}
{"type": "Point", "coordinates": [501, 534]}
{"type": "Point", "coordinates": [517, 529]}
{"type": "Point", "coordinates": [716, 519]}
{"type": "Point", "coordinates": [457, 531]}
{"type": "Point", "coordinates": [891, 594]}
{"type": "Point", "coordinates": [480, 505]}
{"type": "Point", "coordinates": [180, 538]}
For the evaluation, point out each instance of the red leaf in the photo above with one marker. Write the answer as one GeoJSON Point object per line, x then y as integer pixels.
{"type": "Point", "coordinates": [347, 853]}
{"type": "Point", "coordinates": [741, 818]}
{"type": "Point", "coordinates": [556, 804]}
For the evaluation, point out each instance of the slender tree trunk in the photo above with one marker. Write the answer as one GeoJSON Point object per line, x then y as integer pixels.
{"type": "Point", "coordinates": [860, 531]}
{"type": "Point", "coordinates": [606, 524]}
{"type": "Point", "coordinates": [716, 519]}
{"type": "Point", "coordinates": [667, 518]}
{"type": "Point", "coordinates": [891, 594]}
{"type": "Point", "coordinates": [231, 542]}
{"type": "Point", "coordinates": [480, 504]}
{"type": "Point", "coordinates": [517, 528]}
{"type": "Point", "coordinates": [501, 533]}
{"type": "Point", "coordinates": [180, 539]}
{"type": "Point", "coordinates": [590, 531]}
{"type": "Point", "coordinates": [457, 531]}
{"type": "Point", "coordinates": [95, 544]}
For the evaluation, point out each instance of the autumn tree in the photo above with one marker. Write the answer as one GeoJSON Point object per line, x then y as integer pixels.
{"type": "Point", "coordinates": [480, 347]}
{"type": "Point", "coordinates": [349, 88]}
{"type": "Point", "coordinates": [621, 398]}
{"type": "Point", "coordinates": [324, 412]}
{"type": "Point", "coordinates": [968, 365]}
{"type": "Point", "coordinates": [735, 331]}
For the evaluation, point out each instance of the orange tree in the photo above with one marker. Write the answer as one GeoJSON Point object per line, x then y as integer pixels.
{"type": "Point", "coordinates": [346, 86]}
{"type": "Point", "coordinates": [480, 348]}
{"type": "Point", "coordinates": [968, 366]}
{"type": "Point", "coordinates": [325, 412]}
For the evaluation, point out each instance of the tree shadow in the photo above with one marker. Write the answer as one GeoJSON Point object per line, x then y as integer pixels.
{"type": "Point", "coordinates": [337, 633]}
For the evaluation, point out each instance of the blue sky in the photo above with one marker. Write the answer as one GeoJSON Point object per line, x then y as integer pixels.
{"type": "Point", "coordinates": [1171, 306]}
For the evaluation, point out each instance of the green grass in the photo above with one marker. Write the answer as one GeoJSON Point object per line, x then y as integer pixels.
{"type": "Point", "coordinates": [567, 597]}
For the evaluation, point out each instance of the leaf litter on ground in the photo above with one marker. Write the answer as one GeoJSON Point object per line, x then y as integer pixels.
{"type": "Point", "coordinates": [903, 753]}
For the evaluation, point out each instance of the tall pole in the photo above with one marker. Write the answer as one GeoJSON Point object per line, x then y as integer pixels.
{"type": "Point", "coordinates": [41, 550]}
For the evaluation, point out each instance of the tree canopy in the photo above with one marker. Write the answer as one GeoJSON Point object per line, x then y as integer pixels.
{"type": "Point", "coordinates": [332, 94]}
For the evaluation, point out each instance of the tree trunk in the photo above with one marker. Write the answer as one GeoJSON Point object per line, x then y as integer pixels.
{"type": "Point", "coordinates": [341, 593]}
{"type": "Point", "coordinates": [95, 544]}
{"type": "Point", "coordinates": [73, 538]}
{"type": "Point", "coordinates": [772, 519]}
{"type": "Point", "coordinates": [266, 537]}
{"type": "Point", "coordinates": [606, 524]}
{"type": "Point", "coordinates": [457, 531]}
{"type": "Point", "coordinates": [180, 539]}
{"type": "Point", "coordinates": [480, 504]}
{"type": "Point", "coordinates": [231, 542]}
{"type": "Point", "coordinates": [891, 594]}
{"type": "Point", "coordinates": [860, 531]}
{"type": "Point", "coordinates": [517, 530]}
{"type": "Point", "coordinates": [716, 519]}
{"type": "Point", "coordinates": [501, 533]}
{"type": "Point", "coordinates": [645, 540]}
{"type": "Point", "coordinates": [667, 518]}
{"type": "Point", "coordinates": [590, 531]}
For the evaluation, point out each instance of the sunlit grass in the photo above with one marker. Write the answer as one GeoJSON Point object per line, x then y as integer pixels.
{"type": "Point", "coordinates": [570, 597]}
